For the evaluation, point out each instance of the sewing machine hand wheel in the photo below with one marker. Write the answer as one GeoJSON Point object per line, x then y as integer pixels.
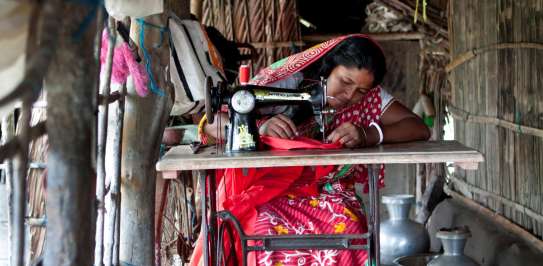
{"type": "Point", "coordinates": [214, 98]}
{"type": "Point", "coordinates": [208, 100]}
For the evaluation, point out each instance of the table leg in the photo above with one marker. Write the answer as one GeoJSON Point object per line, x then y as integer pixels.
{"type": "Point", "coordinates": [370, 217]}
{"type": "Point", "coordinates": [373, 171]}
{"type": "Point", "coordinates": [213, 227]}
{"type": "Point", "coordinates": [205, 224]}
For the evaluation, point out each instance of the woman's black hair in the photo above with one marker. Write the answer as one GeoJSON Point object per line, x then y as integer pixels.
{"type": "Point", "coordinates": [358, 52]}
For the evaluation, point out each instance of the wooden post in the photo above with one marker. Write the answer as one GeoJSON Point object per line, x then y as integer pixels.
{"type": "Point", "coordinates": [103, 108]}
{"type": "Point", "coordinates": [8, 132]}
{"type": "Point", "coordinates": [20, 163]}
{"type": "Point", "coordinates": [71, 89]}
{"type": "Point", "coordinates": [144, 122]}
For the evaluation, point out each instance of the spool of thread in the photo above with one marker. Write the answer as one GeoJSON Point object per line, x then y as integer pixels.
{"type": "Point", "coordinates": [244, 71]}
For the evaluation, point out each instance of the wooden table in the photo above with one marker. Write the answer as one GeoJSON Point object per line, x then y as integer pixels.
{"type": "Point", "coordinates": [181, 159]}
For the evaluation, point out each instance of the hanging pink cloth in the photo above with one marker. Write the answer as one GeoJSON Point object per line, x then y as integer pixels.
{"type": "Point", "coordinates": [124, 64]}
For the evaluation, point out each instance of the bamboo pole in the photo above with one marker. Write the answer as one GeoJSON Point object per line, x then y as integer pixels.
{"type": "Point", "coordinates": [20, 162]}
{"type": "Point", "coordinates": [463, 185]}
{"type": "Point", "coordinates": [404, 36]}
{"type": "Point", "coordinates": [114, 196]}
{"type": "Point", "coordinates": [8, 132]}
{"type": "Point", "coordinates": [497, 219]}
{"type": "Point", "coordinates": [467, 56]}
{"type": "Point", "coordinates": [70, 84]}
{"type": "Point", "coordinates": [271, 45]}
{"type": "Point", "coordinates": [460, 114]}
{"type": "Point", "coordinates": [103, 108]}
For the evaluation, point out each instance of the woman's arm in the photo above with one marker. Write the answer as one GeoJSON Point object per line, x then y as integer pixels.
{"type": "Point", "coordinates": [398, 124]}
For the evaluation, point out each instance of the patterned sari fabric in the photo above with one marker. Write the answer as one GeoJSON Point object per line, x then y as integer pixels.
{"type": "Point", "coordinates": [333, 210]}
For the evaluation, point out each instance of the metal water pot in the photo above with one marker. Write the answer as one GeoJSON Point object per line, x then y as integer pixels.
{"type": "Point", "coordinates": [415, 260]}
{"type": "Point", "coordinates": [453, 242]}
{"type": "Point", "coordinates": [399, 235]}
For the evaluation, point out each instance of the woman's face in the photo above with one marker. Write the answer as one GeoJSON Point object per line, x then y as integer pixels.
{"type": "Point", "coordinates": [347, 86]}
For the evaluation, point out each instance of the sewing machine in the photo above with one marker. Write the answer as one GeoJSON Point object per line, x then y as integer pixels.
{"type": "Point", "coordinates": [244, 101]}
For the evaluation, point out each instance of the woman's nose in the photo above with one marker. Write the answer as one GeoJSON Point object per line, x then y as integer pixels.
{"type": "Point", "coordinates": [349, 93]}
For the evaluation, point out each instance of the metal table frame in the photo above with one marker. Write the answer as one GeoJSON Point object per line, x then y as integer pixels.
{"type": "Point", "coordinates": [430, 152]}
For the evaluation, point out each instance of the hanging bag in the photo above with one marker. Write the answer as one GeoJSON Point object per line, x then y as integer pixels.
{"type": "Point", "coordinates": [193, 58]}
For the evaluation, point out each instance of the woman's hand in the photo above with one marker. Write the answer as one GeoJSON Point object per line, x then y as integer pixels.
{"type": "Point", "coordinates": [348, 135]}
{"type": "Point", "coordinates": [279, 126]}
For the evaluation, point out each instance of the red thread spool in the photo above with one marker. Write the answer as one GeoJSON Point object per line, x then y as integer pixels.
{"type": "Point", "coordinates": [244, 71]}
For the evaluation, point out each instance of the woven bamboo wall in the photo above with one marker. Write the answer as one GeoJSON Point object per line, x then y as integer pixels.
{"type": "Point", "coordinates": [270, 25]}
{"type": "Point", "coordinates": [508, 85]}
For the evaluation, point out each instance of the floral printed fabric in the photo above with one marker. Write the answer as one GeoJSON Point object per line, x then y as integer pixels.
{"type": "Point", "coordinates": [334, 210]}
{"type": "Point", "coordinates": [323, 214]}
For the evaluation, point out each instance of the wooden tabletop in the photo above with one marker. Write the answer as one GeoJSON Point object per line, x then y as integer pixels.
{"type": "Point", "coordinates": [180, 158]}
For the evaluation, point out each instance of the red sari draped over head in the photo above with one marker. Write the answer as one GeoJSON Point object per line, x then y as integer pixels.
{"type": "Point", "coordinates": [300, 200]}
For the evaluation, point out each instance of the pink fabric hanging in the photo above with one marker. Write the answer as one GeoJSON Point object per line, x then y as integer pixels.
{"type": "Point", "coordinates": [124, 64]}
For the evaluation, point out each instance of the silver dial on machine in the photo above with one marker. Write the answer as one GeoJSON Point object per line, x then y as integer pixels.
{"type": "Point", "coordinates": [243, 101]}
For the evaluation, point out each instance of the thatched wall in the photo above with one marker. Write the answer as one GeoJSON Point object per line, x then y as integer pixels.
{"type": "Point", "coordinates": [507, 85]}
{"type": "Point", "coordinates": [271, 26]}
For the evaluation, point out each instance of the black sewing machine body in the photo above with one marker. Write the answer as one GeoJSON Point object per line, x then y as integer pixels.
{"type": "Point", "coordinates": [244, 101]}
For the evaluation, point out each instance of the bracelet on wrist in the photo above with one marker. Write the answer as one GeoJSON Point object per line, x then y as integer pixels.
{"type": "Point", "coordinates": [379, 131]}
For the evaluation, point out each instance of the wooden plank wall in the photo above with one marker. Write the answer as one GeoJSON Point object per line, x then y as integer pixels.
{"type": "Point", "coordinates": [507, 84]}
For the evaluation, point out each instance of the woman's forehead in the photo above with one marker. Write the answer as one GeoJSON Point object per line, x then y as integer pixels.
{"type": "Point", "coordinates": [358, 75]}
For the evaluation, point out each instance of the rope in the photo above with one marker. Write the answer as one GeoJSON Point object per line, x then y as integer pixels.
{"type": "Point", "coordinates": [424, 16]}
{"type": "Point", "coordinates": [142, 23]}
{"type": "Point", "coordinates": [517, 121]}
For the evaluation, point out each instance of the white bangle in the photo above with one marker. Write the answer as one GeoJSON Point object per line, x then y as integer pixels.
{"type": "Point", "coordinates": [379, 130]}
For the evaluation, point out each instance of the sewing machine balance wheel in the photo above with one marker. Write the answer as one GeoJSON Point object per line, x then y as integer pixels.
{"type": "Point", "coordinates": [208, 101]}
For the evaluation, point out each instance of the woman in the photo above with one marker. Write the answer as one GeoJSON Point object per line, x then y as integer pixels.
{"type": "Point", "coordinates": [321, 200]}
